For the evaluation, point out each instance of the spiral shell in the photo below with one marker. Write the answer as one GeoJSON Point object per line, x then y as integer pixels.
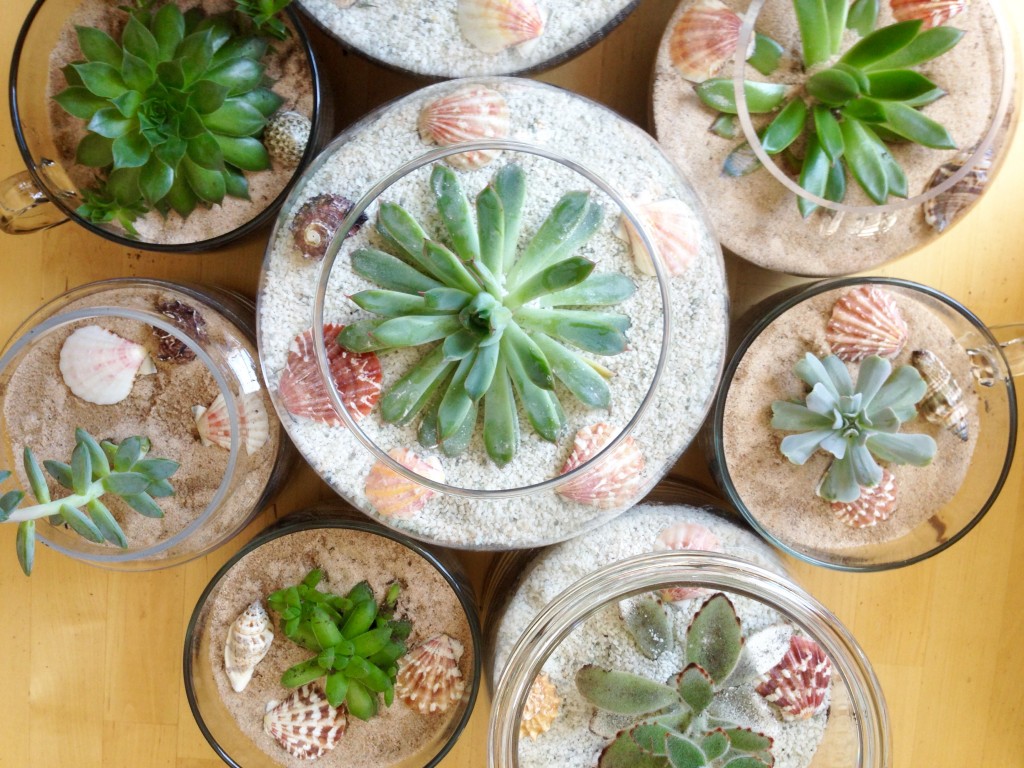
{"type": "Point", "coordinates": [391, 494]}
{"type": "Point", "coordinates": [214, 428]}
{"type": "Point", "coordinates": [540, 709]}
{"type": "Point", "coordinates": [686, 536]}
{"type": "Point", "coordinates": [615, 481]}
{"type": "Point", "coordinates": [943, 401]}
{"type": "Point", "coordinates": [249, 638]}
{"type": "Point", "coordinates": [187, 318]}
{"type": "Point", "coordinates": [943, 209]}
{"type": "Point", "coordinates": [704, 39]}
{"type": "Point", "coordinates": [866, 321]}
{"type": "Point", "coordinates": [429, 679]}
{"type": "Point", "coordinates": [932, 12]}
{"type": "Point", "coordinates": [672, 229]}
{"type": "Point", "coordinates": [100, 367]}
{"type": "Point", "coordinates": [494, 25]}
{"type": "Point", "coordinates": [873, 506]}
{"type": "Point", "coordinates": [469, 113]}
{"type": "Point", "coordinates": [316, 222]}
{"type": "Point", "coordinates": [799, 684]}
{"type": "Point", "coordinates": [305, 724]}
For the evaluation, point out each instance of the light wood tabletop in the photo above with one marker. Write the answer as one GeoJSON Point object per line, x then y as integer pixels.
{"type": "Point", "coordinates": [90, 661]}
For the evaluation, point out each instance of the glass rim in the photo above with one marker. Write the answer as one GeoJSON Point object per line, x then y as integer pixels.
{"type": "Point", "coordinates": [801, 295]}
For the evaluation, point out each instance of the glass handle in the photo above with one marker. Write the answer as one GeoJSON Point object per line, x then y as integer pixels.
{"type": "Point", "coordinates": [1011, 341]}
{"type": "Point", "coordinates": [24, 207]}
{"type": "Point", "coordinates": [985, 362]}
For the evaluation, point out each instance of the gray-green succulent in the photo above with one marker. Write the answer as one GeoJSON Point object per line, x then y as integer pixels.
{"type": "Point", "coordinates": [506, 319]}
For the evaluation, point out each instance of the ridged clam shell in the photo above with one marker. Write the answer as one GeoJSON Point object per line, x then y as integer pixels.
{"type": "Point", "coordinates": [873, 506]}
{"type": "Point", "coordinates": [469, 113]}
{"type": "Point", "coordinates": [99, 366]}
{"type": "Point", "coordinates": [541, 708]}
{"type": "Point", "coordinates": [943, 209]}
{"type": "Point", "coordinates": [249, 638]}
{"type": "Point", "coordinates": [866, 321]}
{"type": "Point", "coordinates": [214, 428]}
{"type": "Point", "coordinates": [304, 723]}
{"type": "Point", "coordinates": [683, 536]}
{"type": "Point", "coordinates": [704, 39]}
{"type": "Point", "coordinates": [672, 228]}
{"type": "Point", "coordinates": [393, 495]}
{"type": "Point", "coordinates": [494, 25]}
{"type": "Point", "coordinates": [302, 390]}
{"type": "Point", "coordinates": [615, 481]}
{"type": "Point", "coordinates": [799, 684]}
{"type": "Point", "coordinates": [943, 401]}
{"type": "Point", "coordinates": [931, 12]}
{"type": "Point", "coordinates": [317, 220]}
{"type": "Point", "coordinates": [429, 679]}
{"type": "Point", "coordinates": [286, 136]}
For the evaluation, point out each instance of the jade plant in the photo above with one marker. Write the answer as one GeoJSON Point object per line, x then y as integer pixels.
{"type": "Point", "coordinates": [856, 424]}
{"type": "Point", "coordinates": [506, 318]}
{"type": "Point", "coordinates": [849, 109]}
{"type": "Point", "coordinates": [675, 723]}
{"type": "Point", "coordinates": [357, 641]}
{"type": "Point", "coordinates": [121, 469]}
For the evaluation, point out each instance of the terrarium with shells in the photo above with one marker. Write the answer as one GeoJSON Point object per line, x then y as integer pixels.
{"type": "Point", "coordinates": [329, 638]}
{"type": "Point", "coordinates": [847, 134]}
{"type": "Point", "coordinates": [493, 342]}
{"type": "Point", "coordinates": [865, 423]}
{"type": "Point", "coordinates": [134, 413]}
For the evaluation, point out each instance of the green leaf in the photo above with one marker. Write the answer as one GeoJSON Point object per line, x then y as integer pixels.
{"type": "Point", "coordinates": [36, 480]}
{"type": "Point", "coordinates": [916, 450]}
{"type": "Point", "coordinates": [740, 162]}
{"type": "Point", "coordinates": [557, 229]}
{"type": "Point", "coordinates": [718, 93]}
{"type": "Point", "coordinates": [140, 42]}
{"type": "Point", "coordinates": [168, 28]}
{"type": "Point", "coordinates": [80, 524]}
{"type": "Point", "coordinates": [928, 45]}
{"type": "Point", "coordinates": [456, 402]}
{"type": "Point", "coordinates": [137, 74]}
{"type": "Point", "coordinates": [576, 373]}
{"type": "Point", "coordinates": [602, 333]}
{"type": "Point", "coordinates": [833, 87]}
{"type": "Point", "coordinates": [510, 184]}
{"type": "Point", "coordinates": [125, 483]}
{"type": "Point", "coordinates": [390, 272]}
{"type": "Point", "coordinates": [899, 84]}
{"type": "Point", "coordinates": [156, 469]}
{"type": "Point", "coordinates": [413, 331]}
{"type": "Point", "coordinates": [302, 673]}
{"type": "Point", "coordinates": [785, 128]}
{"type": "Point", "coordinates": [246, 47]}
{"type": "Point", "coordinates": [557, 277]}
{"type": "Point", "coordinates": [828, 132]}
{"type": "Point", "coordinates": [106, 524]}
{"type": "Point", "coordinates": [181, 197]}
{"type": "Point", "coordinates": [205, 152]}
{"type": "Point", "coordinates": [454, 207]}
{"type": "Point", "coordinates": [747, 740]}
{"type": "Point", "coordinates": [128, 452]}
{"type": "Point", "coordinates": [336, 688]}
{"type": "Point", "coordinates": [25, 544]}
{"type": "Point", "coordinates": [80, 102]}
{"type": "Point", "coordinates": [766, 56]}
{"type": "Point", "coordinates": [881, 44]}
{"type": "Point", "coordinates": [835, 187]}
{"type": "Point", "coordinates": [715, 744]}
{"type": "Point", "coordinates": [391, 303]}
{"type": "Point", "coordinates": [123, 184]}
{"type": "Point", "coordinates": [714, 640]}
{"type": "Point", "coordinates": [501, 424]}
{"type": "Point", "coordinates": [859, 76]}
{"type": "Point", "coordinates": [81, 469]}
{"type": "Point", "coordinates": [649, 626]}
{"type": "Point", "coordinates": [490, 215]}
{"type": "Point", "coordinates": [360, 701]}
{"type": "Point", "coordinates": [839, 483]}
{"type": "Point", "coordinates": [98, 46]}
{"type": "Point", "coordinates": [541, 406]}
{"type": "Point", "coordinates": [623, 752]}
{"type": "Point", "coordinates": [895, 178]}
{"type": "Point", "coordinates": [155, 180]}
{"type": "Point", "coordinates": [836, 11]}
{"type": "Point", "coordinates": [131, 151]}
{"type": "Point", "coordinates": [206, 184]}
{"type": "Point", "coordinates": [194, 53]}
{"type": "Point", "coordinates": [235, 183]}
{"type": "Point", "coordinates": [864, 109]}
{"type": "Point", "coordinates": [128, 103]}
{"type": "Point", "coordinates": [358, 336]}
{"type": "Point", "coordinates": [602, 289]}
{"type": "Point", "coordinates": [244, 152]}
{"type": "Point", "coordinates": [235, 118]}
{"type": "Point", "coordinates": [71, 77]}
{"type": "Point", "coordinates": [237, 75]}
{"type": "Point", "coordinates": [796, 417]}
{"type": "Point", "coordinates": [143, 504]}
{"type": "Point", "coordinates": [60, 472]}
{"type": "Point", "coordinates": [446, 299]}
{"type": "Point", "coordinates": [324, 629]}
{"type": "Point", "coordinates": [725, 126]}
{"type": "Point", "coordinates": [207, 96]}
{"type": "Point", "coordinates": [170, 74]}
{"type": "Point", "coordinates": [110, 123]}
{"type": "Point", "coordinates": [447, 267]}
{"type": "Point", "coordinates": [863, 160]}
{"type": "Point", "coordinates": [863, 16]}
{"type": "Point", "coordinates": [623, 693]}
{"type": "Point", "coordinates": [799, 448]}
{"type": "Point", "coordinates": [480, 376]}
{"type": "Point", "coordinates": [401, 229]}
{"type": "Point", "coordinates": [812, 19]}
{"type": "Point", "coordinates": [911, 124]}
{"type": "Point", "coordinates": [460, 344]}
{"type": "Point", "coordinates": [683, 753]}
{"type": "Point", "coordinates": [746, 761]}
{"type": "Point", "coordinates": [9, 502]}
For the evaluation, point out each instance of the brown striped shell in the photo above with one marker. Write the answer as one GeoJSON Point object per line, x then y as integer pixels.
{"type": "Point", "coordinates": [866, 321]}
{"type": "Point", "coordinates": [316, 222]}
{"type": "Point", "coordinates": [248, 640]}
{"type": "Point", "coordinates": [704, 39]}
{"type": "Point", "coordinates": [943, 401]}
{"type": "Point", "coordinates": [305, 724]}
{"type": "Point", "coordinates": [469, 113]}
{"type": "Point", "coordinates": [873, 506]}
{"type": "Point", "coordinates": [943, 209]}
{"type": "Point", "coordinates": [616, 479]}
{"type": "Point", "coordinates": [932, 12]}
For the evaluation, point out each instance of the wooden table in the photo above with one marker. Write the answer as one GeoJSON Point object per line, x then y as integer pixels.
{"type": "Point", "coordinates": [90, 661]}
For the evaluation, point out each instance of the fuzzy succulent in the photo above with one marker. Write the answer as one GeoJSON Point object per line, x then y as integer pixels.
{"type": "Point", "coordinates": [503, 317]}
{"type": "Point", "coordinates": [675, 724]}
{"type": "Point", "coordinates": [855, 424]}
{"type": "Point", "coordinates": [96, 469]}
{"type": "Point", "coordinates": [847, 112]}
{"type": "Point", "coordinates": [357, 641]}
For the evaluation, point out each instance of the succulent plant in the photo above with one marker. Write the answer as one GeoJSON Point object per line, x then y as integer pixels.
{"type": "Point", "coordinates": [847, 112]}
{"type": "Point", "coordinates": [357, 641]}
{"type": "Point", "coordinates": [264, 16]}
{"type": "Point", "coordinates": [96, 469]}
{"type": "Point", "coordinates": [503, 318]}
{"type": "Point", "coordinates": [855, 424]}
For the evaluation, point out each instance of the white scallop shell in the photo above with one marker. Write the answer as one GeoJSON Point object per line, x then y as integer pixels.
{"type": "Point", "coordinates": [215, 429]}
{"type": "Point", "coordinates": [705, 39]}
{"type": "Point", "coordinates": [430, 679]}
{"type": "Point", "coordinates": [469, 113]}
{"type": "Point", "coordinates": [249, 638]}
{"type": "Point", "coordinates": [672, 228]}
{"type": "Point", "coordinates": [305, 724]}
{"type": "Point", "coordinates": [494, 25]}
{"type": "Point", "coordinates": [100, 367]}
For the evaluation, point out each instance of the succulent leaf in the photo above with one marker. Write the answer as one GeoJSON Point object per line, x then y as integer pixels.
{"type": "Point", "coordinates": [623, 692]}
{"type": "Point", "coordinates": [862, 16]}
{"type": "Point", "coordinates": [623, 752]}
{"type": "Point", "coordinates": [683, 753]}
{"type": "Point", "coordinates": [714, 640]}
{"type": "Point", "coordinates": [715, 744]}
{"type": "Point", "coordinates": [649, 625]}
{"type": "Point", "coordinates": [812, 20]}
{"type": "Point", "coordinates": [650, 737]}
{"type": "Point", "coordinates": [719, 94]}
{"type": "Point", "coordinates": [766, 56]}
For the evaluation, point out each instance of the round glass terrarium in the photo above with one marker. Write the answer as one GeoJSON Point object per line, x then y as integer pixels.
{"type": "Point", "coordinates": [173, 367]}
{"type": "Point", "coordinates": [840, 153]}
{"type": "Point", "coordinates": [434, 596]}
{"type": "Point", "coordinates": [965, 405]}
{"type": "Point", "coordinates": [632, 344]}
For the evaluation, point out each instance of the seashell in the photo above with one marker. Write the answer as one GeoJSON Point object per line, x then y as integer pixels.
{"type": "Point", "coordinates": [682, 536]}
{"type": "Point", "coordinates": [214, 428]}
{"type": "Point", "coordinates": [494, 25]}
{"type": "Point", "coordinates": [798, 685]}
{"type": "Point", "coordinates": [943, 401]}
{"type": "Point", "coordinates": [932, 12]}
{"type": "Point", "coordinates": [866, 321]}
{"type": "Point", "coordinates": [303, 392]}
{"type": "Point", "coordinates": [304, 723]}
{"type": "Point", "coordinates": [873, 506]}
{"type": "Point", "coordinates": [391, 494]}
{"type": "Point", "coordinates": [286, 136]}
{"type": "Point", "coordinates": [317, 220]}
{"type": "Point", "coordinates": [705, 39]}
{"type": "Point", "coordinates": [943, 209]}
{"type": "Point", "coordinates": [249, 638]}
{"type": "Point", "coordinates": [100, 367]}
{"type": "Point", "coordinates": [429, 679]}
{"type": "Point", "coordinates": [541, 708]}
{"type": "Point", "coordinates": [615, 481]}
{"type": "Point", "coordinates": [469, 113]}
{"type": "Point", "coordinates": [188, 319]}
{"type": "Point", "coordinates": [672, 228]}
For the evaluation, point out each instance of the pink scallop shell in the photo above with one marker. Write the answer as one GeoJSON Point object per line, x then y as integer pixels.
{"type": "Point", "coordinates": [391, 494]}
{"type": "Point", "coordinates": [672, 228]}
{"type": "Point", "coordinates": [866, 321]}
{"type": "Point", "coordinates": [100, 367]}
{"type": "Point", "coordinates": [799, 684]}
{"type": "Point", "coordinates": [615, 481]}
{"type": "Point", "coordinates": [429, 679]}
{"type": "Point", "coordinates": [469, 113]}
{"type": "Point", "coordinates": [305, 724]}
{"type": "Point", "coordinates": [932, 12]}
{"type": "Point", "coordinates": [683, 536]}
{"type": "Point", "coordinates": [494, 25]}
{"type": "Point", "coordinates": [705, 39]}
{"type": "Point", "coordinates": [214, 428]}
{"type": "Point", "coordinates": [873, 506]}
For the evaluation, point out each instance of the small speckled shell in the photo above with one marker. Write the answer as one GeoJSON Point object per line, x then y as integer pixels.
{"type": "Point", "coordinates": [615, 481]}
{"type": "Point", "coordinates": [248, 640]}
{"type": "Point", "coordinates": [494, 25]}
{"type": "Point", "coordinates": [672, 228]}
{"type": "Point", "coordinates": [943, 209]}
{"type": "Point", "coordinates": [99, 366]}
{"type": "Point", "coordinates": [683, 536]}
{"type": "Point", "coordinates": [541, 708]}
{"type": "Point", "coordinates": [866, 321]}
{"type": "Point", "coordinates": [391, 494]}
{"type": "Point", "coordinates": [943, 401]}
{"type": "Point", "coordinates": [469, 113]}
{"type": "Point", "coordinates": [214, 428]}
{"type": "Point", "coordinates": [286, 136]}
{"type": "Point", "coordinates": [799, 684]}
{"type": "Point", "coordinates": [873, 506]}
{"type": "Point", "coordinates": [187, 318]}
{"type": "Point", "coordinates": [317, 220]}
{"type": "Point", "coordinates": [304, 723]}
{"type": "Point", "coordinates": [931, 12]}
{"type": "Point", "coordinates": [429, 679]}
{"type": "Point", "coordinates": [705, 39]}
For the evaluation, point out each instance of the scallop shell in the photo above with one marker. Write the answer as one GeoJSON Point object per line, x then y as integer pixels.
{"type": "Point", "coordinates": [943, 401]}
{"type": "Point", "coordinates": [932, 12]}
{"type": "Point", "coordinates": [615, 481]}
{"type": "Point", "coordinates": [469, 113]}
{"type": "Point", "coordinates": [799, 684]}
{"type": "Point", "coordinates": [100, 367]}
{"type": "Point", "coordinates": [286, 136]}
{"type": "Point", "coordinates": [215, 429]}
{"type": "Point", "coordinates": [393, 495]}
{"type": "Point", "coordinates": [672, 228]}
{"type": "Point", "coordinates": [541, 708]}
{"type": "Point", "coordinates": [873, 506]}
{"type": "Point", "coordinates": [303, 392]}
{"type": "Point", "coordinates": [866, 321]}
{"type": "Point", "coordinates": [683, 536]}
{"type": "Point", "coordinates": [249, 638]}
{"type": "Point", "coordinates": [187, 318]}
{"type": "Point", "coordinates": [494, 25]}
{"type": "Point", "coordinates": [429, 679]}
{"type": "Point", "coordinates": [943, 209]}
{"type": "Point", "coordinates": [305, 724]}
{"type": "Point", "coordinates": [317, 220]}
{"type": "Point", "coordinates": [705, 39]}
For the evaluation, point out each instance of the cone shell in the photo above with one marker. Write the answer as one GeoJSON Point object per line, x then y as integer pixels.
{"type": "Point", "coordinates": [249, 638]}
{"type": "Point", "coordinates": [214, 428]}
{"type": "Point", "coordinates": [943, 209]}
{"type": "Point", "coordinates": [672, 228]}
{"type": "Point", "coordinates": [705, 39]}
{"type": "Point", "coordinates": [799, 684]}
{"type": "Point", "coordinates": [943, 401]}
{"type": "Point", "coordinates": [541, 708]}
{"type": "Point", "coordinates": [304, 723]}
{"type": "Point", "coordinates": [615, 481]}
{"type": "Point", "coordinates": [494, 25]}
{"type": "Point", "coordinates": [683, 536]}
{"type": "Point", "coordinates": [873, 506]}
{"type": "Point", "coordinates": [932, 12]}
{"type": "Point", "coordinates": [866, 321]}
{"type": "Point", "coordinates": [286, 136]}
{"type": "Point", "coordinates": [188, 319]}
{"type": "Point", "coordinates": [303, 392]}
{"type": "Point", "coordinates": [469, 113]}
{"type": "Point", "coordinates": [429, 679]}
{"type": "Point", "coordinates": [316, 222]}
{"type": "Point", "coordinates": [99, 366]}
{"type": "Point", "coordinates": [391, 494]}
